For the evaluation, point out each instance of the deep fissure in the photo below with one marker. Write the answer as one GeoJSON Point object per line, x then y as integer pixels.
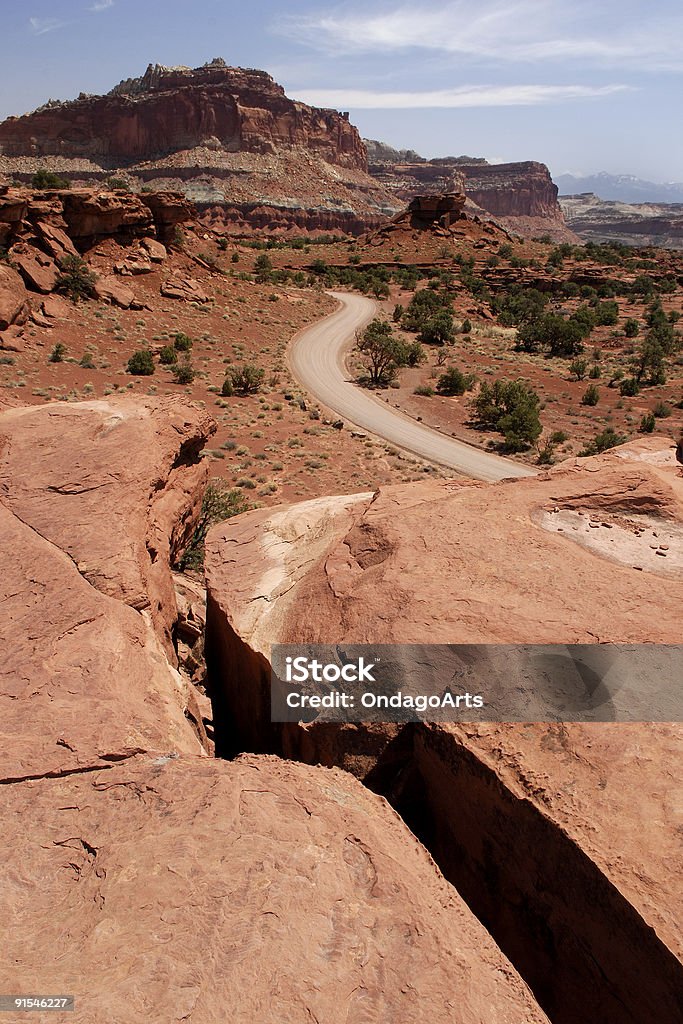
{"type": "Point", "coordinates": [582, 948]}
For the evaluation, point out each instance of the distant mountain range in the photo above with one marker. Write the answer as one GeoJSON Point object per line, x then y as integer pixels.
{"type": "Point", "coordinates": [625, 188]}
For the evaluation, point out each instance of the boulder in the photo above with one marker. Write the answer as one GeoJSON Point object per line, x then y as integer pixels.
{"type": "Point", "coordinates": [271, 892]}
{"type": "Point", "coordinates": [110, 289]}
{"type": "Point", "coordinates": [84, 680]}
{"type": "Point", "coordinates": [38, 271]}
{"type": "Point", "coordinates": [185, 288]}
{"type": "Point", "coordinates": [154, 249]}
{"type": "Point", "coordinates": [13, 298]}
{"type": "Point", "coordinates": [55, 241]}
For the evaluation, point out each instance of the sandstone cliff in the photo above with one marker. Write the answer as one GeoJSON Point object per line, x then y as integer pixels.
{"type": "Point", "coordinates": [226, 137]}
{"type": "Point", "coordinates": [520, 196]}
{"type": "Point", "coordinates": [171, 109]}
{"type": "Point", "coordinates": [639, 224]}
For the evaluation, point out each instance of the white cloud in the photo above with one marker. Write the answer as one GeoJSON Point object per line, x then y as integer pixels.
{"type": "Point", "coordinates": [39, 26]}
{"type": "Point", "coordinates": [101, 5]}
{"type": "Point", "coordinates": [465, 96]}
{"type": "Point", "coordinates": [502, 30]}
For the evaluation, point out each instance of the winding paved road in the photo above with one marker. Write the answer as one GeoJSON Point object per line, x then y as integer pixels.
{"type": "Point", "coordinates": [317, 359]}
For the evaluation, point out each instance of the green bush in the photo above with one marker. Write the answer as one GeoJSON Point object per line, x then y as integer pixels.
{"type": "Point", "coordinates": [245, 380]}
{"type": "Point", "coordinates": [75, 279]}
{"type": "Point", "coordinates": [578, 367]}
{"type": "Point", "coordinates": [87, 361]}
{"type": "Point", "coordinates": [591, 395]}
{"type": "Point", "coordinates": [466, 326]}
{"type": "Point", "coordinates": [602, 442]}
{"type": "Point", "coordinates": [512, 409]}
{"type": "Point", "coordinates": [182, 342]}
{"type": "Point", "coordinates": [647, 424]}
{"type": "Point", "coordinates": [227, 390]}
{"type": "Point", "coordinates": [168, 355]}
{"type": "Point", "coordinates": [454, 382]}
{"type": "Point", "coordinates": [631, 328]}
{"type": "Point", "coordinates": [595, 372]}
{"type": "Point", "coordinates": [44, 179]}
{"type": "Point", "coordinates": [629, 387]}
{"type": "Point", "coordinates": [219, 503]}
{"type": "Point", "coordinates": [425, 390]}
{"type": "Point", "coordinates": [184, 372]}
{"type": "Point", "coordinates": [661, 410]}
{"type": "Point", "coordinates": [57, 354]}
{"type": "Point", "coordinates": [141, 363]}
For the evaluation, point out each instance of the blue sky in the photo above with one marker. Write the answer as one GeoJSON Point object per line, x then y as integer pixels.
{"type": "Point", "coordinates": [581, 86]}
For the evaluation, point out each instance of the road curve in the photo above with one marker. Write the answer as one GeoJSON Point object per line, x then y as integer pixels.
{"type": "Point", "coordinates": [317, 359]}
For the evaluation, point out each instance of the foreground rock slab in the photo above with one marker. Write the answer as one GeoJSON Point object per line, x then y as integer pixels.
{"type": "Point", "coordinates": [565, 838]}
{"type": "Point", "coordinates": [96, 501]}
{"type": "Point", "coordinates": [181, 888]}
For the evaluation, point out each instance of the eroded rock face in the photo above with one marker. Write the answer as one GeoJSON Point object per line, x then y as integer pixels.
{"type": "Point", "coordinates": [521, 196]}
{"type": "Point", "coordinates": [13, 298]}
{"type": "Point", "coordinates": [283, 892]}
{"type": "Point", "coordinates": [599, 220]}
{"type": "Point", "coordinates": [171, 109]}
{"type": "Point", "coordinates": [116, 484]}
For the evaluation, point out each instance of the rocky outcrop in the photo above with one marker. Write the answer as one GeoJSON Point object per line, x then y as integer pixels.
{"type": "Point", "coordinates": [561, 836]}
{"type": "Point", "coordinates": [59, 220]}
{"type": "Point", "coordinates": [172, 109]}
{"type": "Point", "coordinates": [88, 675]}
{"type": "Point", "coordinates": [639, 224]}
{"type": "Point", "coordinates": [520, 196]}
{"type": "Point", "coordinates": [223, 137]}
{"type": "Point", "coordinates": [116, 485]}
{"type": "Point", "coordinates": [283, 892]}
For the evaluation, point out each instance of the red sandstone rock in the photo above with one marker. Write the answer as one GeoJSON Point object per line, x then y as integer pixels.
{"type": "Point", "coordinates": [111, 289]}
{"type": "Point", "coordinates": [185, 288]}
{"type": "Point", "coordinates": [564, 837]}
{"type": "Point", "coordinates": [13, 304]}
{"type": "Point", "coordinates": [116, 484]}
{"type": "Point", "coordinates": [269, 891]}
{"type": "Point", "coordinates": [38, 270]}
{"type": "Point", "coordinates": [91, 214]}
{"type": "Point", "coordinates": [55, 241]}
{"type": "Point", "coordinates": [155, 250]}
{"type": "Point", "coordinates": [178, 109]}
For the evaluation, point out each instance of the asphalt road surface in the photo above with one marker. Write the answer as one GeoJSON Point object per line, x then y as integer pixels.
{"type": "Point", "coordinates": [317, 359]}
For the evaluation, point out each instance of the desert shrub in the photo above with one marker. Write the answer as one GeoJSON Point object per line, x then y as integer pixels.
{"type": "Point", "coordinates": [246, 379]}
{"type": "Point", "coordinates": [184, 372]}
{"type": "Point", "coordinates": [647, 424]}
{"type": "Point", "coordinates": [119, 183]}
{"type": "Point", "coordinates": [383, 354]}
{"type": "Point", "coordinates": [606, 439]}
{"type": "Point", "coordinates": [438, 329]}
{"type": "Point", "coordinates": [425, 390]}
{"type": "Point", "coordinates": [219, 503]}
{"type": "Point", "coordinates": [629, 387]}
{"type": "Point", "coordinates": [553, 332]}
{"type": "Point", "coordinates": [75, 279]}
{"type": "Point", "coordinates": [235, 258]}
{"type": "Point", "coordinates": [578, 367]}
{"type": "Point", "coordinates": [595, 372]}
{"type": "Point", "coordinates": [591, 395]}
{"type": "Point", "coordinates": [44, 179]}
{"type": "Point", "coordinates": [512, 409]}
{"type": "Point", "coordinates": [399, 310]}
{"type": "Point", "coordinates": [631, 328]}
{"type": "Point", "coordinates": [182, 342]}
{"type": "Point", "coordinates": [454, 382]}
{"type": "Point", "coordinates": [661, 410]}
{"type": "Point", "coordinates": [168, 355]}
{"type": "Point", "coordinates": [141, 363]}
{"type": "Point", "coordinates": [559, 437]}
{"type": "Point", "coordinates": [57, 354]}
{"type": "Point", "coordinates": [87, 361]}
{"type": "Point", "coordinates": [466, 326]}
{"type": "Point", "coordinates": [222, 244]}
